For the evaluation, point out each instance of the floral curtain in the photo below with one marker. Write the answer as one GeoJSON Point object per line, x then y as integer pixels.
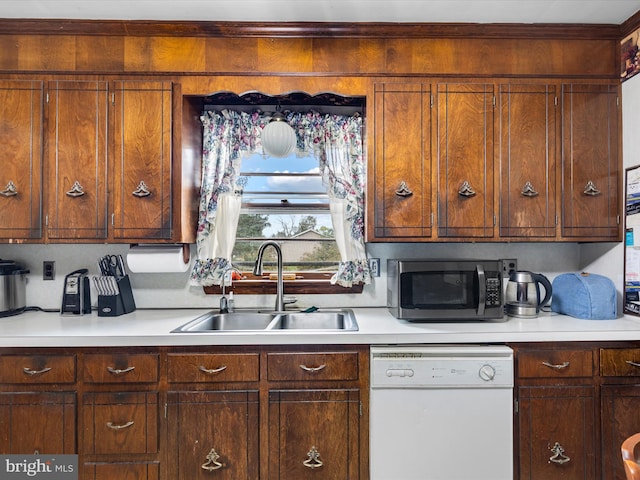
{"type": "Point", "coordinates": [227, 136]}
{"type": "Point", "coordinates": [335, 140]}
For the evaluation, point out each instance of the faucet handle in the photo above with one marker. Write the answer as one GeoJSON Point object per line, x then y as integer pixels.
{"type": "Point", "coordinates": [289, 300]}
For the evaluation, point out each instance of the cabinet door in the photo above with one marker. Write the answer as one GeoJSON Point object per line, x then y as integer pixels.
{"type": "Point", "coordinates": [465, 160]}
{"type": "Point", "coordinates": [21, 110]}
{"type": "Point", "coordinates": [527, 160]}
{"type": "Point", "coordinates": [142, 160]}
{"type": "Point", "coordinates": [77, 160]}
{"type": "Point", "coordinates": [314, 434]}
{"type": "Point", "coordinates": [38, 422]}
{"type": "Point", "coordinates": [590, 161]}
{"type": "Point", "coordinates": [402, 161]}
{"type": "Point", "coordinates": [620, 420]}
{"type": "Point", "coordinates": [557, 436]}
{"type": "Point", "coordinates": [122, 471]}
{"type": "Point", "coordinates": [213, 434]}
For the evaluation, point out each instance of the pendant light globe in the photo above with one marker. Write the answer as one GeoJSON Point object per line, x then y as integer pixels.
{"type": "Point", "coordinates": [278, 138]}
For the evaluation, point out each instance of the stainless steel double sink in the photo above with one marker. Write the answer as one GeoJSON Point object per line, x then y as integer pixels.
{"type": "Point", "coordinates": [322, 320]}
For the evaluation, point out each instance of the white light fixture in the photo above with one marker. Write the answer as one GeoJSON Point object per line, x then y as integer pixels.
{"type": "Point", "coordinates": [278, 138]}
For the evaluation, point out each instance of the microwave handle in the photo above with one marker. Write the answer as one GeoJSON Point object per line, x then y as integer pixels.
{"type": "Point", "coordinates": [482, 289]}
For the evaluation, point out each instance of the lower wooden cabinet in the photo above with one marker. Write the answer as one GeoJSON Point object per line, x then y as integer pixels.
{"type": "Point", "coordinates": [213, 434]}
{"type": "Point", "coordinates": [122, 471]}
{"type": "Point", "coordinates": [576, 403]}
{"type": "Point", "coordinates": [314, 434]}
{"type": "Point", "coordinates": [557, 432]}
{"type": "Point", "coordinates": [120, 423]}
{"type": "Point", "coordinates": [620, 399]}
{"type": "Point", "coordinates": [38, 402]}
{"type": "Point", "coordinates": [37, 422]}
{"type": "Point", "coordinates": [273, 413]}
{"type": "Point", "coordinates": [556, 413]}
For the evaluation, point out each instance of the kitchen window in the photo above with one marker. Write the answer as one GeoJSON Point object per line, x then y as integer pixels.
{"type": "Point", "coordinates": [249, 197]}
{"type": "Point", "coordinates": [284, 200]}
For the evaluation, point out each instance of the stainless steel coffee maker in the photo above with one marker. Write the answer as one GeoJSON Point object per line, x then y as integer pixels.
{"type": "Point", "coordinates": [522, 298]}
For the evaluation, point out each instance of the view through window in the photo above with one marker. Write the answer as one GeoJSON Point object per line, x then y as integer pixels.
{"type": "Point", "coordinates": [284, 200]}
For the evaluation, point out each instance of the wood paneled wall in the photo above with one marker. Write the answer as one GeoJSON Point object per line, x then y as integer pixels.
{"type": "Point", "coordinates": [135, 48]}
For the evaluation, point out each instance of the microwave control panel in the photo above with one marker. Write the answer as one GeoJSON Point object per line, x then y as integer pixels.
{"type": "Point", "coordinates": [494, 290]}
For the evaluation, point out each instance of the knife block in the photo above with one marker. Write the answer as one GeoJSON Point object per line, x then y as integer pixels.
{"type": "Point", "coordinates": [119, 304]}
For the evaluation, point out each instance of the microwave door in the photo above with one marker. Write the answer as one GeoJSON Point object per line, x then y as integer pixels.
{"type": "Point", "coordinates": [482, 289]}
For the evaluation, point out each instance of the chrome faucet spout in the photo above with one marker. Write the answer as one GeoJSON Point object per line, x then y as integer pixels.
{"type": "Point", "coordinates": [257, 270]}
{"type": "Point", "coordinates": [224, 304]}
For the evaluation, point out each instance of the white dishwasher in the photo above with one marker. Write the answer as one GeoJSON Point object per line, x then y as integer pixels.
{"type": "Point", "coordinates": [441, 412]}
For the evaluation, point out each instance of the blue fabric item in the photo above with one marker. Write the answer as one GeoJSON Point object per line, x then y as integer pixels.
{"type": "Point", "coordinates": [584, 295]}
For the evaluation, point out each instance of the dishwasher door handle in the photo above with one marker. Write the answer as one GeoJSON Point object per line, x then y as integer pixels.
{"type": "Point", "coordinates": [400, 372]}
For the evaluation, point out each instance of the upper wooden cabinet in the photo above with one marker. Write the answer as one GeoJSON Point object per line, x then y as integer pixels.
{"type": "Point", "coordinates": [138, 173]}
{"type": "Point", "coordinates": [141, 159]}
{"type": "Point", "coordinates": [402, 161]}
{"type": "Point", "coordinates": [77, 160]}
{"type": "Point", "coordinates": [465, 160]}
{"type": "Point", "coordinates": [590, 161]}
{"type": "Point", "coordinates": [527, 160]}
{"type": "Point", "coordinates": [505, 154]}
{"type": "Point", "coordinates": [21, 114]}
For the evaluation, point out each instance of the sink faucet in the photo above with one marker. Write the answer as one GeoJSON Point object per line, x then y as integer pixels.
{"type": "Point", "coordinates": [225, 306]}
{"type": "Point", "coordinates": [257, 270]}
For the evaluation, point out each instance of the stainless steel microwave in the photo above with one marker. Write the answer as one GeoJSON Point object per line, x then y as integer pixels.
{"type": "Point", "coordinates": [444, 290]}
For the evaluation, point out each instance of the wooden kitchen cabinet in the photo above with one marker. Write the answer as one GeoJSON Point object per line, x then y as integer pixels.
{"type": "Point", "coordinates": [264, 413]}
{"type": "Point", "coordinates": [38, 404]}
{"type": "Point", "coordinates": [21, 117]}
{"type": "Point", "coordinates": [591, 164]}
{"type": "Point", "coordinates": [120, 423]}
{"type": "Point", "coordinates": [122, 471]}
{"type": "Point", "coordinates": [76, 145]}
{"type": "Point", "coordinates": [465, 118]}
{"type": "Point", "coordinates": [171, 413]}
{"type": "Point", "coordinates": [527, 160]}
{"type": "Point", "coordinates": [540, 159]}
{"type": "Point", "coordinates": [102, 368]}
{"type": "Point", "coordinates": [314, 434]}
{"type": "Point", "coordinates": [314, 421]}
{"type": "Point", "coordinates": [214, 433]}
{"type": "Point", "coordinates": [401, 179]}
{"type": "Point", "coordinates": [213, 415]}
{"type": "Point", "coordinates": [119, 414]}
{"type": "Point", "coordinates": [37, 422]}
{"type": "Point", "coordinates": [141, 160]}
{"type": "Point", "coordinates": [620, 398]}
{"type": "Point", "coordinates": [556, 414]}
{"type": "Point", "coordinates": [109, 161]}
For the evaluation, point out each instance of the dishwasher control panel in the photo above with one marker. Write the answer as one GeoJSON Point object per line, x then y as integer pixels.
{"type": "Point", "coordinates": [439, 367]}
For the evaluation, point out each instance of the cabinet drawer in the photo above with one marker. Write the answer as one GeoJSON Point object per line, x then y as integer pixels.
{"type": "Point", "coordinates": [312, 366]}
{"type": "Point", "coordinates": [555, 363]}
{"type": "Point", "coordinates": [620, 362]}
{"type": "Point", "coordinates": [124, 368]}
{"type": "Point", "coordinates": [234, 367]}
{"type": "Point", "coordinates": [124, 422]}
{"type": "Point", "coordinates": [36, 369]}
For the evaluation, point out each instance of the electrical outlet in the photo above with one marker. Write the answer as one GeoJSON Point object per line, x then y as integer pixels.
{"type": "Point", "coordinates": [508, 266]}
{"type": "Point", "coordinates": [374, 266]}
{"type": "Point", "coordinates": [48, 270]}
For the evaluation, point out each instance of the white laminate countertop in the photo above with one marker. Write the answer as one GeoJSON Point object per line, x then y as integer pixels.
{"type": "Point", "coordinates": [376, 326]}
